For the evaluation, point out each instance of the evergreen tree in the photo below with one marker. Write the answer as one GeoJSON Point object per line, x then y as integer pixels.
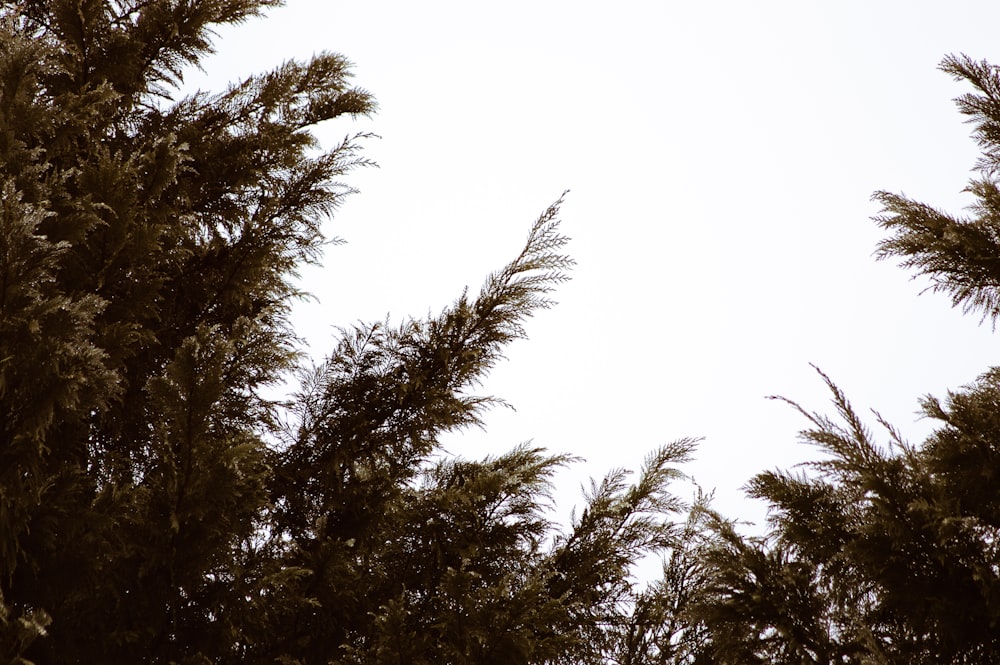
{"type": "Point", "coordinates": [885, 553]}
{"type": "Point", "coordinates": [154, 505]}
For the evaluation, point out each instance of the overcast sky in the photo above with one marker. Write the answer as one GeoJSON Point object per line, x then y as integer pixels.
{"type": "Point", "coordinates": [721, 157]}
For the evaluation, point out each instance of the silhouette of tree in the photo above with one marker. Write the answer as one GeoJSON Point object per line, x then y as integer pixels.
{"type": "Point", "coordinates": [155, 505]}
{"type": "Point", "coordinates": [885, 553]}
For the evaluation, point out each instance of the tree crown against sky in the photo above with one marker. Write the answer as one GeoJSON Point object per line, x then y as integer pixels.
{"type": "Point", "coordinates": [884, 552]}
{"type": "Point", "coordinates": [155, 504]}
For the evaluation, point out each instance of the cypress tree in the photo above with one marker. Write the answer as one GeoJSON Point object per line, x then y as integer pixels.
{"type": "Point", "coordinates": [155, 505]}
{"type": "Point", "coordinates": [885, 552]}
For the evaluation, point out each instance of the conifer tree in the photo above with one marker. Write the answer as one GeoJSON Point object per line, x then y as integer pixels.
{"type": "Point", "coordinates": [885, 553]}
{"type": "Point", "coordinates": [154, 505]}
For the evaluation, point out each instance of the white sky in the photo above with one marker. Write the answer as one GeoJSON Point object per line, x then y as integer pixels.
{"type": "Point", "coordinates": [720, 156]}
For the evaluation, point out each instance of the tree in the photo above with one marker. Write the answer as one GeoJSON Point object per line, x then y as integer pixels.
{"type": "Point", "coordinates": [885, 553]}
{"type": "Point", "coordinates": [155, 506]}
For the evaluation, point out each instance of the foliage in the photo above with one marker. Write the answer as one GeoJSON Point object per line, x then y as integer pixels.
{"type": "Point", "coordinates": [959, 254]}
{"type": "Point", "coordinates": [884, 553]}
{"type": "Point", "coordinates": [155, 506]}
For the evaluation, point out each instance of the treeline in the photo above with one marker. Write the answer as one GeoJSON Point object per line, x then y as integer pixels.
{"type": "Point", "coordinates": [157, 507]}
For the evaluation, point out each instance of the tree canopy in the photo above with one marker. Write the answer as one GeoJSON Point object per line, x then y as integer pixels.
{"type": "Point", "coordinates": [159, 504]}
{"type": "Point", "coordinates": [885, 552]}
{"type": "Point", "coordinates": [155, 504]}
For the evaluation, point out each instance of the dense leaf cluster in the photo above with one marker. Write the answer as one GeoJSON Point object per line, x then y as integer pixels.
{"type": "Point", "coordinates": [885, 553]}
{"type": "Point", "coordinates": [156, 506]}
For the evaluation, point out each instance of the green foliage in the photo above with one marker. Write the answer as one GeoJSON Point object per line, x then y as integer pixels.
{"type": "Point", "coordinates": [884, 553]}
{"type": "Point", "coordinates": [959, 254]}
{"type": "Point", "coordinates": [155, 505]}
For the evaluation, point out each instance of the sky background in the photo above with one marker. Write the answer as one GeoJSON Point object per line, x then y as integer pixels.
{"type": "Point", "coordinates": [720, 158]}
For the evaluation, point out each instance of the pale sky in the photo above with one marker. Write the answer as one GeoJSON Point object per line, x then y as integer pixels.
{"type": "Point", "coordinates": [720, 156]}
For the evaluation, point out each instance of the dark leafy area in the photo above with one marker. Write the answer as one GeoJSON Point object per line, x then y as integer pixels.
{"type": "Point", "coordinates": [884, 552]}
{"type": "Point", "coordinates": [155, 505]}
